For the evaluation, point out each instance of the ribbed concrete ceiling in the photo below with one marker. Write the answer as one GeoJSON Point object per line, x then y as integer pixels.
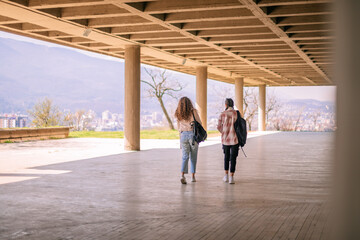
{"type": "Point", "coordinates": [276, 42]}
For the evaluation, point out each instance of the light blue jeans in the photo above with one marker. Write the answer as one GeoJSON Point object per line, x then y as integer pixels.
{"type": "Point", "coordinates": [189, 149]}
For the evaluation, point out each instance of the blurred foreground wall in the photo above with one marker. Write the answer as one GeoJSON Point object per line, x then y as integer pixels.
{"type": "Point", "coordinates": [347, 158]}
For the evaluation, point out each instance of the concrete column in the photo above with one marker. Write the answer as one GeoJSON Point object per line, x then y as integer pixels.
{"type": "Point", "coordinates": [239, 95]}
{"type": "Point", "coordinates": [347, 157]}
{"type": "Point", "coordinates": [201, 94]}
{"type": "Point", "coordinates": [262, 108]}
{"type": "Point", "coordinates": [132, 97]}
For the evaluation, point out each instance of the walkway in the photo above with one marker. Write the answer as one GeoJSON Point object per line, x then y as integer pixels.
{"type": "Point", "coordinates": [281, 192]}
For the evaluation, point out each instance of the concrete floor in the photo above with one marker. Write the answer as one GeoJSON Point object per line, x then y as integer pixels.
{"type": "Point", "coordinates": [281, 192]}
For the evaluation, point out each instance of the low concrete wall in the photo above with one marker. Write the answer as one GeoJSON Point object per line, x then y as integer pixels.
{"type": "Point", "coordinates": [18, 135]}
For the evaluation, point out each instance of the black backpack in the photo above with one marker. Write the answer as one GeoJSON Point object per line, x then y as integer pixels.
{"type": "Point", "coordinates": [240, 129]}
{"type": "Point", "coordinates": [199, 132]}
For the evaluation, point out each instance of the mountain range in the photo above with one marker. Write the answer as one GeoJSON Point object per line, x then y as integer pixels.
{"type": "Point", "coordinates": [30, 72]}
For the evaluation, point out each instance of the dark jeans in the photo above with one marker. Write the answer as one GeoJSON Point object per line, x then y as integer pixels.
{"type": "Point", "coordinates": [230, 154]}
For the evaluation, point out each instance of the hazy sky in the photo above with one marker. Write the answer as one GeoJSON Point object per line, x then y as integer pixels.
{"type": "Point", "coordinates": [318, 93]}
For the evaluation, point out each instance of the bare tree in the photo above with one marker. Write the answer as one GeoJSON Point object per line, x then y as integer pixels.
{"type": "Point", "coordinates": [79, 120]}
{"type": "Point", "coordinates": [220, 94]}
{"type": "Point", "coordinates": [79, 117]}
{"type": "Point", "coordinates": [172, 105]}
{"type": "Point", "coordinates": [298, 118]}
{"type": "Point", "coordinates": [161, 85]}
{"type": "Point", "coordinates": [286, 125]}
{"type": "Point", "coordinates": [272, 105]}
{"type": "Point", "coordinates": [89, 116]}
{"type": "Point", "coordinates": [45, 114]}
{"type": "Point", "coordinates": [275, 119]}
{"type": "Point", "coordinates": [277, 124]}
{"type": "Point", "coordinates": [315, 115]}
{"type": "Point", "coordinates": [69, 119]}
{"type": "Point", "coordinates": [250, 106]}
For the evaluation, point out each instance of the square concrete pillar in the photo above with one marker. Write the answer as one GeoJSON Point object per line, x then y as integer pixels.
{"type": "Point", "coordinates": [132, 98]}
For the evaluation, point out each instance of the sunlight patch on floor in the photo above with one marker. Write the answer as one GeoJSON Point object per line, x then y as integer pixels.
{"type": "Point", "coordinates": [22, 158]}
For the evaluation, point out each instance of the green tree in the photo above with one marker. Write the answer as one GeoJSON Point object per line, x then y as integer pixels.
{"type": "Point", "coordinates": [45, 114]}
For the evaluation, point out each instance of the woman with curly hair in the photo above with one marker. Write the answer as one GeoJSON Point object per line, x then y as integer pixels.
{"type": "Point", "coordinates": [185, 114]}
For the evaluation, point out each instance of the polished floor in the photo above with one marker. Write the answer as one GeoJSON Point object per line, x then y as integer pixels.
{"type": "Point", "coordinates": [281, 192]}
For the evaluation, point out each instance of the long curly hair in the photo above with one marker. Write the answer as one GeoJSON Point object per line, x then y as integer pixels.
{"type": "Point", "coordinates": [184, 109]}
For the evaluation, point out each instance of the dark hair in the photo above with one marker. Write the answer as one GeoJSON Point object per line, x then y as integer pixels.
{"type": "Point", "coordinates": [184, 109]}
{"type": "Point", "coordinates": [229, 102]}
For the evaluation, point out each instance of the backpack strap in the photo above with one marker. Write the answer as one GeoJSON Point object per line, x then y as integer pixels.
{"type": "Point", "coordinates": [193, 141]}
{"type": "Point", "coordinates": [243, 151]}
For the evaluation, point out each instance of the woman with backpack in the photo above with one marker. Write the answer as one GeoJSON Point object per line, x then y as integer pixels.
{"type": "Point", "coordinates": [229, 140]}
{"type": "Point", "coordinates": [185, 115]}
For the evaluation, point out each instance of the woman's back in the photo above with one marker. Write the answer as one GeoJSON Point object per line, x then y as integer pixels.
{"type": "Point", "coordinates": [226, 127]}
{"type": "Point", "coordinates": [185, 124]}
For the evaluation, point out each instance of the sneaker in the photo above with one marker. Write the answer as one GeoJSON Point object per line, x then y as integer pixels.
{"type": "Point", "coordinates": [183, 180]}
{"type": "Point", "coordinates": [231, 180]}
{"type": "Point", "coordinates": [226, 178]}
{"type": "Point", "coordinates": [193, 179]}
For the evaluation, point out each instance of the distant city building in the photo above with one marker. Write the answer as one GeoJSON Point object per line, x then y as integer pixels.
{"type": "Point", "coordinates": [157, 117]}
{"type": "Point", "coordinates": [106, 115]}
{"type": "Point", "coordinates": [13, 121]}
{"type": "Point", "coordinates": [21, 122]}
{"type": "Point", "coordinates": [4, 122]}
{"type": "Point", "coordinates": [291, 118]}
